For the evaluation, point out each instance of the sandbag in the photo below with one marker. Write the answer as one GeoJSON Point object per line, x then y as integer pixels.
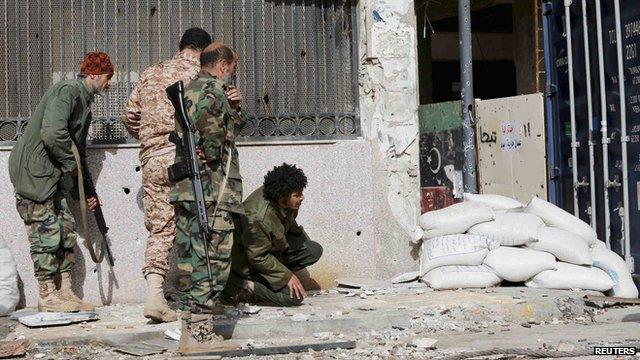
{"type": "Point", "coordinates": [569, 276]}
{"type": "Point", "coordinates": [9, 295]}
{"type": "Point", "coordinates": [617, 269]}
{"type": "Point", "coordinates": [497, 203]}
{"type": "Point", "coordinates": [455, 219]}
{"type": "Point", "coordinates": [458, 249]}
{"type": "Point", "coordinates": [564, 245]}
{"type": "Point", "coordinates": [517, 264]}
{"type": "Point", "coordinates": [461, 277]}
{"type": "Point", "coordinates": [510, 229]}
{"type": "Point", "coordinates": [556, 217]}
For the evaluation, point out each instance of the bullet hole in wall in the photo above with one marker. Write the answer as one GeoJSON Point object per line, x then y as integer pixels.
{"type": "Point", "coordinates": [126, 190]}
{"type": "Point", "coordinates": [265, 99]}
{"type": "Point", "coordinates": [137, 168]}
{"type": "Point", "coordinates": [358, 233]}
{"type": "Point", "coordinates": [303, 54]}
{"type": "Point", "coordinates": [153, 11]}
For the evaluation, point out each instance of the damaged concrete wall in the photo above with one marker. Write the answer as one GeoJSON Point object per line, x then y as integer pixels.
{"type": "Point", "coordinates": [389, 115]}
{"type": "Point", "coordinates": [336, 213]}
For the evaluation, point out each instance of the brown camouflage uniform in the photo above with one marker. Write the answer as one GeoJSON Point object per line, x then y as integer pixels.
{"type": "Point", "coordinates": [149, 116]}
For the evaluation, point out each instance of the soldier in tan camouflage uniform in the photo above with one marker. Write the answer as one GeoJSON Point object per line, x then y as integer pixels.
{"type": "Point", "coordinates": [149, 116]}
{"type": "Point", "coordinates": [213, 105]}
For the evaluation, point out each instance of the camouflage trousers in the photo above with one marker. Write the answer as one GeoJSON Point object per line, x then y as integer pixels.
{"type": "Point", "coordinates": [197, 293]}
{"type": "Point", "coordinates": [52, 235]}
{"type": "Point", "coordinates": [158, 213]}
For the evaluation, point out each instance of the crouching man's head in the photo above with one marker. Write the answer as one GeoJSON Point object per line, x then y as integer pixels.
{"type": "Point", "coordinates": [284, 186]}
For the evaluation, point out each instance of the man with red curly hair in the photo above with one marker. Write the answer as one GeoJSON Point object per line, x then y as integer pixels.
{"type": "Point", "coordinates": [40, 160]}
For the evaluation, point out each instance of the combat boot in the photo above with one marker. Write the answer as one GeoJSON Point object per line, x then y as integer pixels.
{"type": "Point", "coordinates": [51, 300]}
{"type": "Point", "coordinates": [66, 292]}
{"type": "Point", "coordinates": [198, 335]}
{"type": "Point", "coordinates": [156, 307]}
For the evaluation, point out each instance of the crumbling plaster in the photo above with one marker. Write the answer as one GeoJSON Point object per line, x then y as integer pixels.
{"type": "Point", "coordinates": [388, 80]}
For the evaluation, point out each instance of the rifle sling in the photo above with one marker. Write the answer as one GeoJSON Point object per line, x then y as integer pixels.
{"type": "Point", "coordinates": [83, 208]}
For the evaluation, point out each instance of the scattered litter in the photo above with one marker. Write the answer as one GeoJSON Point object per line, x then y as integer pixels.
{"type": "Point", "coordinates": [173, 333]}
{"type": "Point", "coordinates": [251, 309]}
{"type": "Point", "coordinates": [56, 319]}
{"type": "Point", "coordinates": [424, 343]}
{"type": "Point", "coordinates": [406, 277]}
{"type": "Point", "coordinates": [566, 346]}
{"type": "Point", "coordinates": [300, 317]}
{"type": "Point", "coordinates": [369, 292]}
{"type": "Point", "coordinates": [362, 283]}
{"type": "Point", "coordinates": [350, 294]}
{"type": "Point", "coordinates": [39, 355]}
{"type": "Point", "coordinates": [323, 335]}
{"type": "Point", "coordinates": [139, 348]}
{"type": "Point", "coordinates": [363, 296]}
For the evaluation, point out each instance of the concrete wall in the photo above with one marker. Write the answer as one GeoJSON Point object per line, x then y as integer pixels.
{"type": "Point", "coordinates": [362, 202]}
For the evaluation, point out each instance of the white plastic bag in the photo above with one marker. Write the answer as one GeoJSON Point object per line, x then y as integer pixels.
{"type": "Point", "coordinates": [9, 295]}
{"type": "Point", "coordinates": [461, 277]}
{"type": "Point", "coordinates": [556, 217]}
{"type": "Point", "coordinates": [617, 269]}
{"type": "Point", "coordinates": [517, 264]}
{"type": "Point", "coordinates": [569, 276]}
{"type": "Point", "coordinates": [498, 203]}
{"type": "Point", "coordinates": [510, 229]}
{"type": "Point", "coordinates": [454, 250]}
{"type": "Point", "coordinates": [564, 245]}
{"type": "Point", "coordinates": [455, 219]}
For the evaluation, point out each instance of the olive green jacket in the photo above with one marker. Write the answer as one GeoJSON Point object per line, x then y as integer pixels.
{"type": "Point", "coordinates": [261, 242]}
{"type": "Point", "coordinates": [43, 152]}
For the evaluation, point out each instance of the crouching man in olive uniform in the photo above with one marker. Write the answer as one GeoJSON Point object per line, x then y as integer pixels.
{"type": "Point", "coordinates": [270, 245]}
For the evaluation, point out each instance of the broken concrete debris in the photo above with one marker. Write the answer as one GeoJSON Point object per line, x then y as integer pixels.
{"type": "Point", "coordinates": [9, 349]}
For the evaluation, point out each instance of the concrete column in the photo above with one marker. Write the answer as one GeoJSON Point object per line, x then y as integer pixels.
{"type": "Point", "coordinates": [388, 82]}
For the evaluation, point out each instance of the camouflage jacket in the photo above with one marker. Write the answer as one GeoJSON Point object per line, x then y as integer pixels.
{"type": "Point", "coordinates": [149, 115]}
{"type": "Point", "coordinates": [217, 127]}
{"type": "Point", "coordinates": [261, 243]}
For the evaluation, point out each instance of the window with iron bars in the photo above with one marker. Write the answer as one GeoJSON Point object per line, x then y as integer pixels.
{"type": "Point", "coordinates": [297, 69]}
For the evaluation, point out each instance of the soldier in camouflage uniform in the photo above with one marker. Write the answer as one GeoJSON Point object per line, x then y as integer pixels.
{"type": "Point", "coordinates": [149, 116]}
{"type": "Point", "coordinates": [214, 107]}
{"type": "Point", "coordinates": [40, 163]}
{"type": "Point", "coordinates": [270, 246]}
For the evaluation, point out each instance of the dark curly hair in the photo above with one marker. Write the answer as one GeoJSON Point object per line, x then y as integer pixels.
{"type": "Point", "coordinates": [283, 181]}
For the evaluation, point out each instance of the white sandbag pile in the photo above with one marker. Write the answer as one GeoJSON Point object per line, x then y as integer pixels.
{"type": "Point", "coordinates": [9, 295]}
{"type": "Point", "coordinates": [455, 277]}
{"type": "Point", "coordinates": [510, 229]}
{"type": "Point", "coordinates": [455, 250]}
{"type": "Point", "coordinates": [564, 245]}
{"type": "Point", "coordinates": [490, 238]}
{"type": "Point", "coordinates": [569, 276]}
{"type": "Point", "coordinates": [555, 217]}
{"type": "Point", "coordinates": [517, 264]}
{"type": "Point", "coordinates": [497, 203]}
{"type": "Point", "coordinates": [617, 269]}
{"type": "Point", "coordinates": [455, 219]}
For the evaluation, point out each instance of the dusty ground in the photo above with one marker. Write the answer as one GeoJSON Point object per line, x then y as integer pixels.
{"type": "Point", "coordinates": [386, 322]}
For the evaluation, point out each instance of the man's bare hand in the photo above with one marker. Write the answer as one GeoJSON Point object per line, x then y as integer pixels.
{"type": "Point", "coordinates": [73, 173]}
{"type": "Point", "coordinates": [200, 153]}
{"type": "Point", "coordinates": [296, 288]}
{"type": "Point", "coordinates": [234, 97]}
{"type": "Point", "coordinates": [92, 203]}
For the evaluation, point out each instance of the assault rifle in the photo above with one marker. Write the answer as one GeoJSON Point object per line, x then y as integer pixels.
{"type": "Point", "coordinates": [190, 166]}
{"type": "Point", "coordinates": [102, 225]}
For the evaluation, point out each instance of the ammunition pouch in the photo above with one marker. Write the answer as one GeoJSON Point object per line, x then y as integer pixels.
{"type": "Point", "coordinates": [178, 171]}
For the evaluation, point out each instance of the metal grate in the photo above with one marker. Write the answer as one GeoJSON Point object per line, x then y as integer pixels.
{"type": "Point", "coordinates": [297, 65]}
